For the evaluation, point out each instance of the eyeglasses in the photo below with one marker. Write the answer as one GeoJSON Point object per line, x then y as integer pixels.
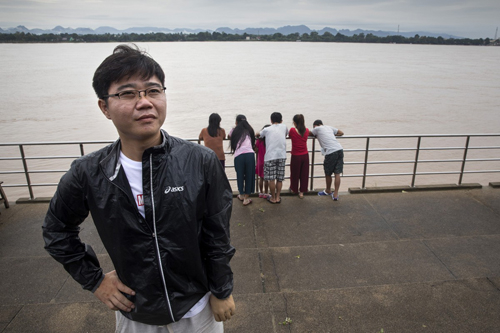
{"type": "Point", "coordinates": [131, 95]}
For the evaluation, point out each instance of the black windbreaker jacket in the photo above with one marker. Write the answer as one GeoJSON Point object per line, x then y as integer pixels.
{"type": "Point", "coordinates": [171, 258]}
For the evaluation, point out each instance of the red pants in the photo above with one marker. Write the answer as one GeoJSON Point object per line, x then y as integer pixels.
{"type": "Point", "coordinates": [299, 171]}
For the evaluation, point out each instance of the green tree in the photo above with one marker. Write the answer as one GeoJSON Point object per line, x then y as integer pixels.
{"type": "Point", "coordinates": [340, 37]}
{"type": "Point", "coordinates": [328, 37]}
{"type": "Point", "coordinates": [278, 36]}
{"type": "Point", "coordinates": [371, 38]}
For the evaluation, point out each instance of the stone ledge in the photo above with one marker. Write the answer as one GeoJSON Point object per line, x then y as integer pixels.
{"type": "Point", "coordinates": [439, 187]}
{"type": "Point", "coordinates": [495, 184]}
{"type": "Point", "coordinates": [36, 200]}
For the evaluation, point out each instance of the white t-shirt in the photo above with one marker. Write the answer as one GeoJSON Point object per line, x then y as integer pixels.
{"type": "Point", "coordinates": [275, 141]}
{"type": "Point", "coordinates": [133, 171]}
{"type": "Point", "coordinates": [327, 139]}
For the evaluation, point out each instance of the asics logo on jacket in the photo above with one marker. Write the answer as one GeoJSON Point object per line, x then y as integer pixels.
{"type": "Point", "coordinates": [174, 189]}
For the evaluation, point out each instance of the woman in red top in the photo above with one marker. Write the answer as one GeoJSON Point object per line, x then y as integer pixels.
{"type": "Point", "coordinates": [299, 165]}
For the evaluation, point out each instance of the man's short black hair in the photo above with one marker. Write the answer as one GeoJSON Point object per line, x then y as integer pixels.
{"type": "Point", "coordinates": [125, 62]}
{"type": "Point", "coordinates": [317, 122]}
{"type": "Point", "coordinates": [276, 117]}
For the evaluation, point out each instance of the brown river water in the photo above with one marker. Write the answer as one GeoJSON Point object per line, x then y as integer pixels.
{"type": "Point", "coordinates": [363, 89]}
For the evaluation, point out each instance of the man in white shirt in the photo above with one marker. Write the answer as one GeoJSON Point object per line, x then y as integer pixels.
{"type": "Point", "coordinates": [334, 156]}
{"type": "Point", "coordinates": [275, 157]}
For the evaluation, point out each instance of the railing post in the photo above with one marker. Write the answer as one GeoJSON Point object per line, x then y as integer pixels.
{"type": "Point", "coordinates": [26, 173]}
{"type": "Point", "coordinates": [311, 187]}
{"type": "Point", "coordinates": [366, 162]}
{"type": "Point", "coordinates": [466, 149]}
{"type": "Point", "coordinates": [256, 175]}
{"type": "Point", "coordinates": [81, 149]}
{"type": "Point", "coordinates": [416, 162]}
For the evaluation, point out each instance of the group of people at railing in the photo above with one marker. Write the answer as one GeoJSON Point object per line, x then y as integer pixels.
{"type": "Point", "coordinates": [263, 154]}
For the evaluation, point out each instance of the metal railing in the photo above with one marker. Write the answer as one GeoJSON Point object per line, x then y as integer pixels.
{"type": "Point", "coordinates": [367, 148]}
{"type": "Point", "coordinates": [464, 149]}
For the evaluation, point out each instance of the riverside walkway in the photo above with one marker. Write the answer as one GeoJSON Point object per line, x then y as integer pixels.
{"type": "Point", "coordinates": [392, 262]}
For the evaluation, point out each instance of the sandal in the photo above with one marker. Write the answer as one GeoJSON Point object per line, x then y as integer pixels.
{"type": "Point", "coordinates": [247, 202]}
{"type": "Point", "coordinates": [240, 198]}
{"type": "Point", "coordinates": [301, 195]}
{"type": "Point", "coordinates": [269, 200]}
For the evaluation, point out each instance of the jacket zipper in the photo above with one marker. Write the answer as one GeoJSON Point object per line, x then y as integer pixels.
{"type": "Point", "coordinates": [155, 235]}
{"type": "Point", "coordinates": [133, 203]}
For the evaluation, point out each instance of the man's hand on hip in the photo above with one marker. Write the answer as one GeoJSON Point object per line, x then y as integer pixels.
{"type": "Point", "coordinates": [223, 309]}
{"type": "Point", "coordinates": [109, 292]}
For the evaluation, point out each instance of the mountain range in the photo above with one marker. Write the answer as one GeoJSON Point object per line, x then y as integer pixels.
{"type": "Point", "coordinates": [286, 30]}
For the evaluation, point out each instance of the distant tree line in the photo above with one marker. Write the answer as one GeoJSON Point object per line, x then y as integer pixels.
{"type": "Point", "coordinates": [21, 37]}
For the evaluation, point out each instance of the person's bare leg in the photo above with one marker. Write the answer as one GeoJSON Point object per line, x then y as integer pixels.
{"type": "Point", "coordinates": [337, 185]}
{"type": "Point", "coordinates": [328, 184]}
{"type": "Point", "coordinates": [272, 188]}
{"type": "Point", "coordinates": [279, 185]}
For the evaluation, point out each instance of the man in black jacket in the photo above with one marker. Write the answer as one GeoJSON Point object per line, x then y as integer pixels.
{"type": "Point", "coordinates": [161, 206]}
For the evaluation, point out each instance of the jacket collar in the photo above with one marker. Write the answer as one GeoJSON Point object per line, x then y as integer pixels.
{"type": "Point", "coordinates": [110, 163]}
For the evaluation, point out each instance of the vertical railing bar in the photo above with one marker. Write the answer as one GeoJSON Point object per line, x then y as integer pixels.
{"type": "Point", "coordinates": [466, 149]}
{"type": "Point", "coordinates": [366, 162]}
{"type": "Point", "coordinates": [82, 152]}
{"type": "Point", "coordinates": [311, 186]}
{"type": "Point", "coordinates": [416, 162]}
{"type": "Point", "coordinates": [26, 173]}
{"type": "Point", "coordinates": [256, 175]}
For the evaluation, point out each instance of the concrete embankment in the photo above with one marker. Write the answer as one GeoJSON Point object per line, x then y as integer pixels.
{"type": "Point", "coordinates": [402, 262]}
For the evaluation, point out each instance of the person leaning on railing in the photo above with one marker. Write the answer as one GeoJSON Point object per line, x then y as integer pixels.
{"type": "Point", "coordinates": [299, 163]}
{"type": "Point", "coordinates": [275, 157]}
{"type": "Point", "coordinates": [242, 140]}
{"type": "Point", "coordinates": [213, 136]}
{"type": "Point", "coordinates": [334, 156]}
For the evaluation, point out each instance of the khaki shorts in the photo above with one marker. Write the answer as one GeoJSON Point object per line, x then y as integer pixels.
{"type": "Point", "coordinates": [202, 322]}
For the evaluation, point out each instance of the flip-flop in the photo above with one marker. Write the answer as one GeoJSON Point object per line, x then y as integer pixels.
{"type": "Point", "coordinates": [271, 202]}
{"type": "Point", "coordinates": [278, 201]}
{"type": "Point", "coordinates": [240, 198]}
{"type": "Point", "coordinates": [249, 201]}
{"type": "Point", "coordinates": [301, 195]}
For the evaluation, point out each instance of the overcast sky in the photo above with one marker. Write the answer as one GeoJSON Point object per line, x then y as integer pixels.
{"type": "Point", "coordinates": [471, 18]}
